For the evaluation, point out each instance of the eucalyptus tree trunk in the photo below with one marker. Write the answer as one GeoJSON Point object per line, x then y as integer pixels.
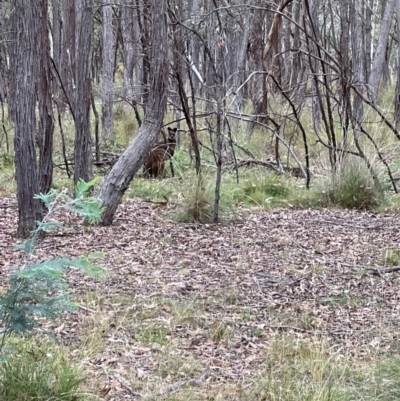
{"type": "Point", "coordinates": [212, 47]}
{"type": "Point", "coordinates": [83, 144]}
{"type": "Point", "coordinates": [44, 89]}
{"type": "Point", "coordinates": [194, 45]}
{"type": "Point", "coordinates": [67, 58]}
{"type": "Point", "coordinates": [240, 57]}
{"type": "Point", "coordinates": [133, 158]}
{"type": "Point", "coordinates": [316, 107]}
{"type": "Point", "coordinates": [107, 93]}
{"type": "Point", "coordinates": [357, 63]}
{"type": "Point", "coordinates": [57, 37]}
{"type": "Point", "coordinates": [258, 93]}
{"type": "Point", "coordinates": [128, 47]}
{"type": "Point", "coordinates": [4, 68]}
{"type": "Point", "coordinates": [397, 98]}
{"type": "Point", "coordinates": [380, 53]}
{"type": "Point", "coordinates": [4, 10]}
{"type": "Point", "coordinates": [25, 64]}
{"type": "Point", "coordinates": [143, 19]}
{"type": "Point", "coordinates": [368, 4]}
{"type": "Point", "coordinates": [296, 65]}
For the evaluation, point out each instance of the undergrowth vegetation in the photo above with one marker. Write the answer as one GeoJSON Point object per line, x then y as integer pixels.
{"type": "Point", "coordinates": [128, 326]}
{"type": "Point", "coordinates": [353, 186]}
{"type": "Point", "coordinates": [36, 292]}
{"type": "Point", "coordinates": [40, 371]}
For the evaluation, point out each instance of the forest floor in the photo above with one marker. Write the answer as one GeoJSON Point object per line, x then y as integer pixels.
{"type": "Point", "coordinates": [199, 305]}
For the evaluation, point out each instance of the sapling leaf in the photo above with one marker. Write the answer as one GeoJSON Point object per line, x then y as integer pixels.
{"type": "Point", "coordinates": [82, 188]}
{"type": "Point", "coordinates": [39, 289]}
{"type": "Point", "coordinates": [50, 225]}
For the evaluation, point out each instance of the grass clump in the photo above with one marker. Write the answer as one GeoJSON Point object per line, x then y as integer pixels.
{"type": "Point", "coordinates": [353, 187]}
{"type": "Point", "coordinates": [297, 371]}
{"type": "Point", "coordinates": [391, 257]}
{"type": "Point", "coordinates": [39, 372]}
{"type": "Point", "coordinates": [266, 191]}
{"type": "Point", "coordinates": [197, 203]}
{"type": "Point", "coordinates": [382, 382]}
{"type": "Point", "coordinates": [150, 189]}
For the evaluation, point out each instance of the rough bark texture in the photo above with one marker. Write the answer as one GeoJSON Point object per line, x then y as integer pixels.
{"type": "Point", "coordinates": [380, 54]}
{"type": "Point", "coordinates": [67, 58]}
{"type": "Point", "coordinates": [128, 44]}
{"type": "Point", "coordinates": [132, 159]}
{"type": "Point", "coordinates": [316, 108]}
{"type": "Point", "coordinates": [3, 52]}
{"type": "Point", "coordinates": [83, 143]}
{"type": "Point", "coordinates": [397, 97]}
{"type": "Point", "coordinates": [358, 65]}
{"type": "Point", "coordinates": [369, 6]}
{"type": "Point", "coordinates": [240, 58]}
{"type": "Point", "coordinates": [107, 76]}
{"type": "Point", "coordinates": [46, 123]}
{"type": "Point", "coordinates": [25, 74]}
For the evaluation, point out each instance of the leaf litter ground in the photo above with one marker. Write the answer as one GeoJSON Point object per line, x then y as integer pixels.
{"type": "Point", "coordinates": [198, 305]}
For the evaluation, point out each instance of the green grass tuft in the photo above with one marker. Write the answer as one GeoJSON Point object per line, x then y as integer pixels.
{"type": "Point", "coordinates": [197, 202]}
{"type": "Point", "coordinates": [352, 187]}
{"type": "Point", "coordinates": [32, 372]}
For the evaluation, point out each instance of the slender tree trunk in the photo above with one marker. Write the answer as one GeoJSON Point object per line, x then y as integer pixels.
{"type": "Point", "coordinates": [397, 98]}
{"type": "Point", "coordinates": [258, 90]}
{"type": "Point", "coordinates": [241, 59]}
{"type": "Point", "coordinates": [83, 144]}
{"type": "Point", "coordinates": [67, 61]}
{"type": "Point", "coordinates": [380, 53]}
{"type": "Point", "coordinates": [133, 158]}
{"type": "Point", "coordinates": [3, 52]}
{"type": "Point", "coordinates": [369, 4]}
{"type": "Point", "coordinates": [107, 93]}
{"type": "Point", "coordinates": [316, 107]}
{"type": "Point", "coordinates": [358, 67]}
{"type": "Point", "coordinates": [194, 46]}
{"type": "Point", "coordinates": [57, 38]}
{"type": "Point", "coordinates": [26, 19]}
{"type": "Point", "coordinates": [128, 44]}
{"type": "Point", "coordinates": [46, 122]}
{"type": "Point", "coordinates": [143, 18]}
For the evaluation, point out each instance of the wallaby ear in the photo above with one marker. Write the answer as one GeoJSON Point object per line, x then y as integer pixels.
{"type": "Point", "coordinates": [173, 129]}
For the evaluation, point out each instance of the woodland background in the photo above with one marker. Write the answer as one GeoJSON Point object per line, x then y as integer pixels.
{"type": "Point", "coordinates": [317, 81]}
{"type": "Point", "coordinates": [267, 267]}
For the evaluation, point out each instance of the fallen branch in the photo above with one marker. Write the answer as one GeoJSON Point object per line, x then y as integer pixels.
{"type": "Point", "coordinates": [250, 162]}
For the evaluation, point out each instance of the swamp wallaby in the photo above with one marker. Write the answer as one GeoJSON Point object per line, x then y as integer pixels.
{"type": "Point", "coordinates": [160, 154]}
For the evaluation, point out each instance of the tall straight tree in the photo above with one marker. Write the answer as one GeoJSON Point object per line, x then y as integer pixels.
{"type": "Point", "coordinates": [83, 57]}
{"type": "Point", "coordinates": [133, 158]}
{"type": "Point", "coordinates": [67, 49]}
{"type": "Point", "coordinates": [107, 92]}
{"type": "Point", "coordinates": [380, 53]}
{"type": "Point", "coordinates": [397, 97]}
{"type": "Point", "coordinates": [25, 65]}
{"type": "Point", "coordinates": [46, 123]}
{"type": "Point", "coordinates": [127, 28]}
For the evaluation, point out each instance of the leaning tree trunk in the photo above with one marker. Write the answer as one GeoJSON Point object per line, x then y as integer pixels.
{"type": "Point", "coordinates": [25, 64]}
{"type": "Point", "coordinates": [132, 159]}
{"type": "Point", "coordinates": [83, 46]}
{"type": "Point", "coordinates": [107, 76]}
